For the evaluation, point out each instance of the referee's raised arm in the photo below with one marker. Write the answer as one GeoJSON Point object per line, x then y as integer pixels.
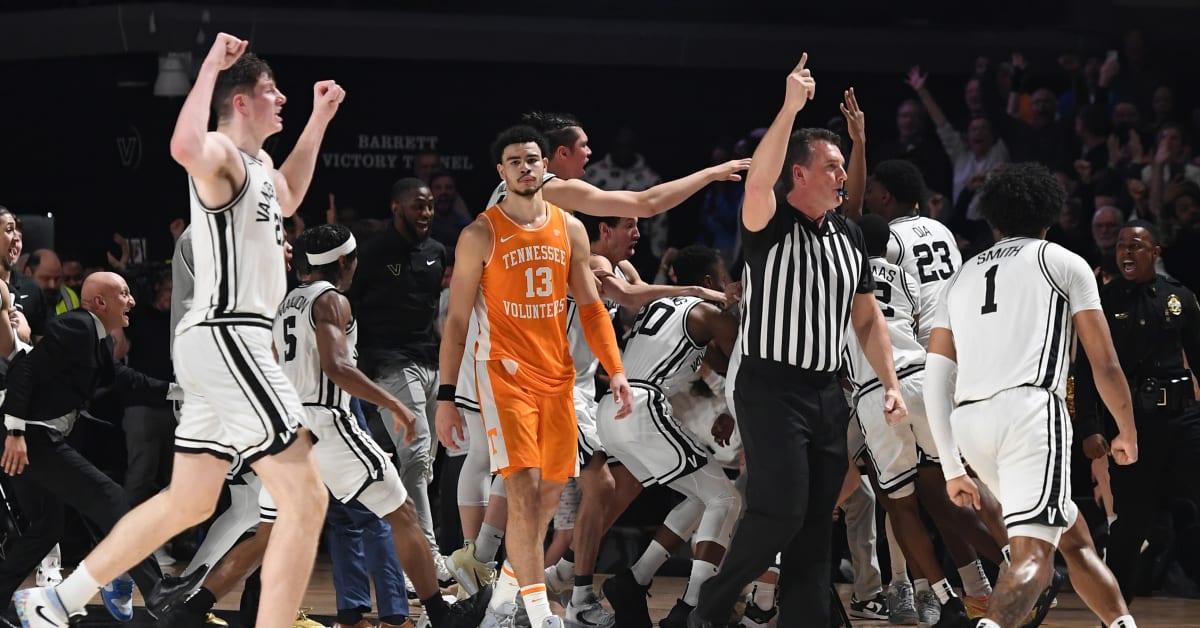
{"type": "Point", "coordinates": [758, 204]}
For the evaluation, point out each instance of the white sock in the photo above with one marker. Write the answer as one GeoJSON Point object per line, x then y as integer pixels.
{"type": "Point", "coordinates": [506, 587]}
{"type": "Point", "coordinates": [975, 582]}
{"type": "Point", "coordinates": [987, 623]}
{"type": "Point", "coordinates": [1124, 621]}
{"type": "Point", "coordinates": [764, 593]}
{"type": "Point", "coordinates": [646, 566]}
{"type": "Point", "coordinates": [921, 584]}
{"type": "Point", "coordinates": [564, 569]}
{"type": "Point", "coordinates": [579, 595]}
{"type": "Point", "coordinates": [77, 589]}
{"type": "Point", "coordinates": [899, 563]}
{"type": "Point", "coordinates": [701, 571]}
{"type": "Point", "coordinates": [943, 591]}
{"type": "Point", "coordinates": [536, 603]}
{"type": "Point", "coordinates": [488, 543]}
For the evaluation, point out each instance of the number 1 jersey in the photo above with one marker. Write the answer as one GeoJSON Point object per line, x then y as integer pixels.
{"type": "Point", "coordinates": [522, 302]}
{"type": "Point", "coordinates": [1010, 309]}
{"type": "Point", "coordinates": [928, 251]}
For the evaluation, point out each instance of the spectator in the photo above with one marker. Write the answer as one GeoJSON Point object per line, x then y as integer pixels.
{"type": "Point", "coordinates": [27, 295]}
{"type": "Point", "coordinates": [450, 212]}
{"type": "Point", "coordinates": [1170, 157]}
{"type": "Point", "coordinates": [47, 271]}
{"type": "Point", "coordinates": [73, 274]}
{"type": "Point", "coordinates": [914, 143]}
{"type": "Point", "coordinates": [1106, 226]}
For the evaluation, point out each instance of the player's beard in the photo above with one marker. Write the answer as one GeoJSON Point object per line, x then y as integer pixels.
{"type": "Point", "coordinates": [526, 192]}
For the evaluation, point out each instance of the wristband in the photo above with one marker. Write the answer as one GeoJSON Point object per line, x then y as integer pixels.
{"type": "Point", "coordinates": [17, 433]}
{"type": "Point", "coordinates": [446, 392]}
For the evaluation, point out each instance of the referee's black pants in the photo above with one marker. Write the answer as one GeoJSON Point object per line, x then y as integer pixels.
{"type": "Point", "coordinates": [1167, 452]}
{"type": "Point", "coordinates": [793, 427]}
{"type": "Point", "coordinates": [59, 476]}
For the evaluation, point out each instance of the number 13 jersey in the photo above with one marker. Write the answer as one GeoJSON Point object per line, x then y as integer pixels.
{"type": "Point", "coordinates": [928, 251]}
{"type": "Point", "coordinates": [522, 301]}
{"type": "Point", "coordinates": [1010, 309]}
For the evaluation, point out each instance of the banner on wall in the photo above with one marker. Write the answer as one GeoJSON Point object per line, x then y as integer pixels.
{"type": "Point", "coordinates": [381, 151]}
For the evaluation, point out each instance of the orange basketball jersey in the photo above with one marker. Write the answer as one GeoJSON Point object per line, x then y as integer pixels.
{"type": "Point", "coordinates": [522, 302]}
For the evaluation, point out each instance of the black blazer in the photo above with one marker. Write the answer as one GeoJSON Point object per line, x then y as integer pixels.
{"type": "Point", "coordinates": [65, 369]}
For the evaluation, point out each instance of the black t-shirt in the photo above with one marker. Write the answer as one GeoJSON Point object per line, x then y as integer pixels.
{"type": "Point", "coordinates": [395, 298]}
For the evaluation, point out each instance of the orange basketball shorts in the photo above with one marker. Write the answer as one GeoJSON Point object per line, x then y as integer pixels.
{"type": "Point", "coordinates": [527, 426]}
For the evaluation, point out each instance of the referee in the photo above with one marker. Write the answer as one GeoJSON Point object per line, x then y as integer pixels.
{"type": "Point", "coordinates": [806, 278]}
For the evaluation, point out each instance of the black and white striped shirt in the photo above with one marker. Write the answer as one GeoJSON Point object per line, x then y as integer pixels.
{"type": "Point", "coordinates": [799, 282]}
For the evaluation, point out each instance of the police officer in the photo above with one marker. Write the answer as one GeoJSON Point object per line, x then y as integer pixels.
{"type": "Point", "coordinates": [1155, 322]}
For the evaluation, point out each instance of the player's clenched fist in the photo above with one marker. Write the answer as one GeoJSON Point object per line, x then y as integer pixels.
{"type": "Point", "coordinates": [226, 49]}
{"type": "Point", "coordinates": [327, 95]}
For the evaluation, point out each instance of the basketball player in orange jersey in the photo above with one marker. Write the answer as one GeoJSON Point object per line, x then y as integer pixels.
{"type": "Point", "coordinates": [514, 265]}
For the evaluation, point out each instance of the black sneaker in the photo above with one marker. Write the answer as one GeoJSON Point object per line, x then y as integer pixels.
{"type": "Point", "coordinates": [468, 613]}
{"type": "Point", "coordinates": [171, 591]}
{"type": "Point", "coordinates": [1042, 607]}
{"type": "Point", "coordinates": [874, 608]}
{"type": "Point", "coordinates": [677, 618]}
{"type": "Point", "coordinates": [628, 600]}
{"type": "Point", "coordinates": [954, 615]}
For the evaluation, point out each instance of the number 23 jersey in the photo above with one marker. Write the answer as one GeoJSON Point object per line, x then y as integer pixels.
{"type": "Point", "coordinates": [928, 251]}
{"type": "Point", "coordinates": [1010, 309]}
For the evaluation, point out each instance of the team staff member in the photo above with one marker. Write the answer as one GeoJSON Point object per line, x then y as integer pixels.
{"type": "Point", "coordinates": [395, 297]}
{"type": "Point", "coordinates": [1155, 321]}
{"type": "Point", "coordinates": [807, 280]}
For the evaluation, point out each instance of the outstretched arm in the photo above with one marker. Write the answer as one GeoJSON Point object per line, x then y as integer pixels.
{"type": "Point", "coordinates": [200, 153]}
{"type": "Point", "coordinates": [581, 196]}
{"type": "Point", "coordinates": [296, 172]}
{"type": "Point", "coordinates": [632, 293]}
{"type": "Point", "coordinates": [758, 204]}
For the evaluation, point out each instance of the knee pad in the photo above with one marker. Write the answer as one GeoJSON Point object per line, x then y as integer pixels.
{"type": "Point", "coordinates": [684, 518]}
{"type": "Point", "coordinates": [721, 511]}
{"type": "Point", "coordinates": [498, 487]}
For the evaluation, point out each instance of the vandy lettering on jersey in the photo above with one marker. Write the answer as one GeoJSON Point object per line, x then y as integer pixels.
{"type": "Point", "coordinates": [927, 250]}
{"type": "Point", "coordinates": [238, 254]}
{"type": "Point", "coordinates": [998, 351]}
{"type": "Point", "coordinates": [295, 339]}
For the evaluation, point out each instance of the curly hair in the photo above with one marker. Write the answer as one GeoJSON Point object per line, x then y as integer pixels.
{"type": "Point", "coordinates": [520, 134]}
{"type": "Point", "coordinates": [240, 78]}
{"type": "Point", "coordinates": [902, 179]}
{"type": "Point", "coordinates": [1022, 199]}
{"type": "Point", "coordinates": [321, 239]}
{"type": "Point", "coordinates": [875, 234]}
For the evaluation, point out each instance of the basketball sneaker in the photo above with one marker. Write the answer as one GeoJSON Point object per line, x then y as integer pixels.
{"type": "Point", "coordinates": [902, 609]}
{"type": "Point", "coordinates": [874, 608]}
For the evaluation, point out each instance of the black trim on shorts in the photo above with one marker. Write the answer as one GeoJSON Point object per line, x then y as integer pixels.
{"type": "Point", "coordinates": [204, 450]}
{"type": "Point", "coordinates": [669, 427]}
{"type": "Point", "coordinates": [256, 389]}
{"type": "Point", "coordinates": [1055, 479]}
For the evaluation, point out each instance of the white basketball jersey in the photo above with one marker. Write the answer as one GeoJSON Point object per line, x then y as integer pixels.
{"type": "Point", "coordinates": [899, 297]}
{"type": "Point", "coordinates": [927, 250]}
{"type": "Point", "coordinates": [1010, 309]}
{"type": "Point", "coordinates": [296, 342]}
{"type": "Point", "coordinates": [586, 363]}
{"type": "Point", "coordinates": [237, 251]}
{"type": "Point", "coordinates": [658, 349]}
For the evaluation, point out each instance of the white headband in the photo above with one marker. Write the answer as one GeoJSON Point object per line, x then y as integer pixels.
{"type": "Point", "coordinates": [332, 255]}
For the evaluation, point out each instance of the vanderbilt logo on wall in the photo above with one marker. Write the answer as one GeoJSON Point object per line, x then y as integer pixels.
{"type": "Point", "coordinates": [391, 152]}
{"type": "Point", "coordinates": [129, 148]}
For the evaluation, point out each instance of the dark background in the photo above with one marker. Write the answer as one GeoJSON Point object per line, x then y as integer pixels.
{"type": "Point", "coordinates": [85, 139]}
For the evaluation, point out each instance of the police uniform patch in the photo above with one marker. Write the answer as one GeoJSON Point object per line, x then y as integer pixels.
{"type": "Point", "coordinates": [1174, 307]}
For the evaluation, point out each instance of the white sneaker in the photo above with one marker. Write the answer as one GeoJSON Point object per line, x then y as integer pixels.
{"type": "Point", "coordinates": [505, 617]}
{"type": "Point", "coordinates": [445, 578]}
{"type": "Point", "coordinates": [589, 614]}
{"type": "Point", "coordinates": [49, 572]}
{"type": "Point", "coordinates": [552, 621]}
{"type": "Point", "coordinates": [556, 589]}
{"type": "Point", "coordinates": [40, 608]}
